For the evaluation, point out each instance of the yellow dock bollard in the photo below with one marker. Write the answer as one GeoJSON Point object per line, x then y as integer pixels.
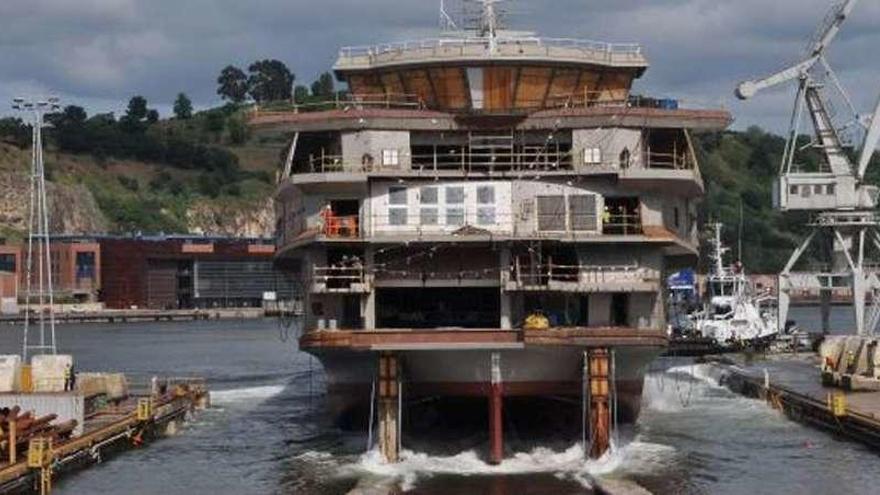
{"type": "Point", "coordinates": [40, 457]}
{"type": "Point", "coordinates": [145, 409]}
{"type": "Point", "coordinates": [837, 403]}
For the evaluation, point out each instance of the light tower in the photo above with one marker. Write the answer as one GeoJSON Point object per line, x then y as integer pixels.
{"type": "Point", "coordinates": [38, 237]}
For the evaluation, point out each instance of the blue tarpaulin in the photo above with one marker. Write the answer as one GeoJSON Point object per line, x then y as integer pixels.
{"type": "Point", "coordinates": [682, 280]}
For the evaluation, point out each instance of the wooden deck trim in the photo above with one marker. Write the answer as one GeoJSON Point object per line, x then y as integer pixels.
{"type": "Point", "coordinates": [416, 339]}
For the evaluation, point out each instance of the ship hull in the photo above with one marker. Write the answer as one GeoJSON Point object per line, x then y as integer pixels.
{"type": "Point", "coordinates": [536, 371]}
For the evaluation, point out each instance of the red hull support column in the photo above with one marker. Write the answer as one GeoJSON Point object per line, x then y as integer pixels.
{"type": "Point", "coordinates": [389, 407]}
{"type": "Point", "coordinates": [496, 425]}
{"type": "Point", "coordinates": [599, 405]}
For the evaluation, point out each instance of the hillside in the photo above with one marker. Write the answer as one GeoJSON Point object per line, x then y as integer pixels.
{"type": "Point", "coordinates": [93, 189]}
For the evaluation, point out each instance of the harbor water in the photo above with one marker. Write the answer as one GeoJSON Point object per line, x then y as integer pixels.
{"type": "Point", "coordinates": [266, 432]}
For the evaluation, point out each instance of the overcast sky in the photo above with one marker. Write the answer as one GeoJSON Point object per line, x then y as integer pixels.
{"type": "Point", "coordinates": [98, 53]}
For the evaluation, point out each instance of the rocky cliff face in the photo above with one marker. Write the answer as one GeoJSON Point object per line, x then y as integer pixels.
{"type": "Point", "coordinates": [72, 208]}
{"type": "Point", "coordinates": [235, 218]}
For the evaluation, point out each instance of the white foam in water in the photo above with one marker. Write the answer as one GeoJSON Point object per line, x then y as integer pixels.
{"type": "Point", "coordinates": [237, 395]}
{"type": "Point", "coordinates": [569, 463]}
{"type": "Point", "coordinates": [674, 389]}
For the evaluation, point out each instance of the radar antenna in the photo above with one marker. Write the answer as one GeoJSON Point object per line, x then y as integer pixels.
{"type": "Point", "coordinates": [844, 204]}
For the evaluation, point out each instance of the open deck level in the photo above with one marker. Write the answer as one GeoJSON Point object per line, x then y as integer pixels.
{"type": "Point", "coordinates": [794, 387]}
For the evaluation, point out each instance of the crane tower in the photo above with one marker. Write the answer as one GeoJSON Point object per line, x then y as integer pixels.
{"type": "Point", "coordinates": [834, 191]}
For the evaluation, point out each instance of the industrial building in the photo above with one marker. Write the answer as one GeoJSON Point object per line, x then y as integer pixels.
{"type": "Point", "coordinates": [180, 272]}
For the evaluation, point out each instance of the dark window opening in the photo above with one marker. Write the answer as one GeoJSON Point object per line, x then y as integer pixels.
{"type": "Point", "coordinates": [622, 217]}
{"type": "Point", "coordinates": [619, 310]}
{"type": "Point", "coordinates": [345, 266]}
{"type": "Point", "coordinates": [342, 218]}
{"type": "Point", "coordinates": [7, 263]}
{"type": "Point", "coordinates": [85, 265]}
{"type": "Point", "coordinates": [668, 149]}
{"type": "Point", "coordinates": [438, 308]}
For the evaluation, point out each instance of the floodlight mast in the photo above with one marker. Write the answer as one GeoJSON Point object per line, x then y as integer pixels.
{"type": "Point", "coordinates": [843, 203]}
{"type": "Point", "coordinates": [38, 235]}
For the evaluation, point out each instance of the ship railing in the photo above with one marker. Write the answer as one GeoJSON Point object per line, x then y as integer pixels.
{"type": "Point", "coordinates": [677, 160]}
{"type": "Point", "coordinates": [529, 161]}
{"type": "Point", "coordinates": [514, 45]}
{"type": "Point", "coordinates": [458, 220]}
{"type": "Point", "coordinates": [343, 102]}
{"type": "Point", "coordinates": [339, 276]}
{"type": "Point", "coordinates": [420, 273]}
{"type": "Point", "coordinates": [526, 274]}
{"type": "Point", "coordinates": [622, 224]}
{"type": "Point", "coordinates": [336, 226]}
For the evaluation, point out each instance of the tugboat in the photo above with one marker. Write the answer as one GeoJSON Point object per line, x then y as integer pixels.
{"type": "Point", "coordinates": [736, 315]}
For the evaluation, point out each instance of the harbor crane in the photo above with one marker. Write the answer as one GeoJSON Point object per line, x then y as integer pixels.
{"type": "Point", "coordinates": [844, 205]}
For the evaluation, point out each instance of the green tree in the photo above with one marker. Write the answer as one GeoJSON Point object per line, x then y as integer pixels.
{"type": "Point", "coordinates": [323, 87]}
{"type": "Point", "coordinates": [183, 107]}
{"type": "Point", "coordinates": [137, 109]}
{"type": "Point", "coordinates": [270, 80]}
{"type": "Point", "coordinates": [232, 84]}
{"type": "Point", "coordinates": [152, 116]}
{"type": "Point", "coordinates": [14, 131]}
{"type": "Point", "coordinates": [300, 94]}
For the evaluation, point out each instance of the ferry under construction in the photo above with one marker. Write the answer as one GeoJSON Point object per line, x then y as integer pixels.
{"type": "Point", "coordinates": [488, 215]}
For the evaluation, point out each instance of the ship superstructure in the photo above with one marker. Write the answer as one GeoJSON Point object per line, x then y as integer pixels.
{"type": "Point", "coordinates": [470, 187]}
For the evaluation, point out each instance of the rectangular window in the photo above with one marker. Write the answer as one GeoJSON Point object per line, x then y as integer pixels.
{"type": "Point", "coordinates": [592, 156]}
{"type": "Point", "coordinates": [793, 190]}
{"type": "Point", "coordinates": [391, 157]}
{"type": "Point", "coordinates": [486, 215]}
{"type": "Point", "coordinates": [397, 196]}
{"type": "Point", "coordinates": [85, 265]}
{"type": "Point", "coordinates": [582, 211]}
{"type": "Point", "coordinates": [486, 195]}
{"type": "Point", "coordinates": [7, 263]}
{"type": "Point", "coordinates": [397, 216]}
{"type": "Point", "coordinates": [455, 195]}
{"type": "Point", "coordinates": [830, 189]}
{"type": "Point", "coordinates": [551, 213]}
{"type": "Point", "coordinates": [817, 189]}
{"type": "Point", "coordinates": [428, 196]}
{"type": "Point", "coordinates": [428, 216]}
{"type": "Point", "coordinates": [455, 217]}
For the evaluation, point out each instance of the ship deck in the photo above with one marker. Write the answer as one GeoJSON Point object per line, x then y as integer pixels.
{"type": "Point", "coordinates": [473, 339]}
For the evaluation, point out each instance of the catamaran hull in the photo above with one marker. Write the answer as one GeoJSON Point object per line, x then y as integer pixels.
{"type": "Point", "coordinates": [531, 372]}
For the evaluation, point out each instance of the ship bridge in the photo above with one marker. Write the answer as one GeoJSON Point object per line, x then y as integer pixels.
{"type": "Point", "coordinates": [494, 74]}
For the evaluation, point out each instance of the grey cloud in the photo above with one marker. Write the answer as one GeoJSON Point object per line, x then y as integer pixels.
{"type": "Point", "coordinates": [100, 52]}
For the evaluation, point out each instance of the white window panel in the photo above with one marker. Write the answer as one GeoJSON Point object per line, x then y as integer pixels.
{"type": "Point", "coordinates": [486, 195]}
{"type": "Point", "coordinates": [428, 216]}
{"type": "Point", "coordinates": [455, 217]}
{"type": "Point", "coordinates": [455, 195]}
{"type": "Point", "coordinates": [391, 157]}
{"type": "Point", "coordinates": [428, 196]}
{"type": "Point", "coordinates": [397, 216]}
{"type": "Point", "coordinates": [593, 156]}
{"type": "Point", "coordinates": [486, 215]}
{"type": "Point", "coordinates": [397, 196]}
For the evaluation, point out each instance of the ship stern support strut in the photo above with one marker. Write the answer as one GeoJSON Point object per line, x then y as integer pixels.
{"type": "Point", "coordinates": [389, 407]}
{"type": "Point", "coordinates": [598, 413]}
{"type": "Point", "coordinates": [496, 425]}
